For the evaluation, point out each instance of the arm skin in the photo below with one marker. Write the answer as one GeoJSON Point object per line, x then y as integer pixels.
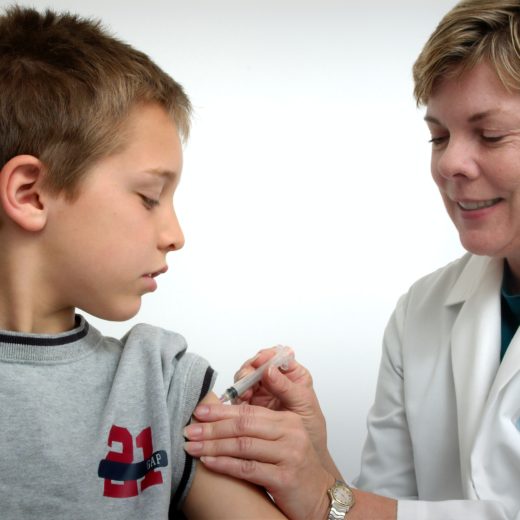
{"type": "Point", "coordinates": [279, 442]}
{"type": "Point", "coordinates": [218, 496]}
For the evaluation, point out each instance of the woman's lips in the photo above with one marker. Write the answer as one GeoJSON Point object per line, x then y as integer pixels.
{"type": "Point", "coordinates": [473, 205]}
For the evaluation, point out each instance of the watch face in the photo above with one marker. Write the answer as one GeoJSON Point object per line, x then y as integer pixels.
{"type": "Point", "coordinates": [342, 494]}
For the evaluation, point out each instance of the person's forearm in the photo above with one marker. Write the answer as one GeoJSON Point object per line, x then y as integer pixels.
{"type": "Point", "coordinates": [369, 506]}
{"type": "Point", "coordinates": [329, 464]}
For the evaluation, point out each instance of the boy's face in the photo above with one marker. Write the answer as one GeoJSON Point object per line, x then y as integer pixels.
{"type": "Point", "coordinates": [105, 248]}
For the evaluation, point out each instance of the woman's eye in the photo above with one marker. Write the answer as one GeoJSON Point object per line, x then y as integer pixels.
{"type": "Point", "coordinates": [148, 202]}
{"type": "Point", "coordinates": [492, 138]}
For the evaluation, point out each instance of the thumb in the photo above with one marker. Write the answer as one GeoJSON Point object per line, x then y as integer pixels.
{"type": "Point", "coordinates": [292, 396]}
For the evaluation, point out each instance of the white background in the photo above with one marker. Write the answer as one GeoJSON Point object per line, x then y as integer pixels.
{"type": "Point", "coordinates": [306, 199]}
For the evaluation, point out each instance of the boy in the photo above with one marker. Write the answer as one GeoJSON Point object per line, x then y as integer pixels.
{"type": "Point", "coordinates": [90, 157]}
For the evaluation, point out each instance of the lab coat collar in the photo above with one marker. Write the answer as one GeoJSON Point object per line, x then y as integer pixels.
{"type": "Point", "coordinates": [471, 277]}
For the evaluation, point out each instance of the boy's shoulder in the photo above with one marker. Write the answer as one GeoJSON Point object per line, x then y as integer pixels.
{"type": "Point", "coordinates": [148, 349]}
{"type": "Point", "coordinates": [151, 338]}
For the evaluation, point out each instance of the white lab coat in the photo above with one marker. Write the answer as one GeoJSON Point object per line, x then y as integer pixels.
{"type": "Point", "coordinates": [444, 431]}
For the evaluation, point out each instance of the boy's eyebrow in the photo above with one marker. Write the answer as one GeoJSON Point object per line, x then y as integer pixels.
{"type": "Point", "coordinates": [170, 174]}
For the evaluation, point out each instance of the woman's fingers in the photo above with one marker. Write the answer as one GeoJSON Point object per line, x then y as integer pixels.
{"type": "Point", "coordinates": [287, 466]}
{"type": "Point", "coordinates": [244, 412]}
{"type": "Point", "coordinates": [244, 448]}
{"type": "Point", "coordinates": [239, 421]}
{"type": "Point", "coordinates": [294, 371]}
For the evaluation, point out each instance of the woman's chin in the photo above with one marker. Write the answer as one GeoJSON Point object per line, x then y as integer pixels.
{"type": "Point", "coordinates": [482, 246]}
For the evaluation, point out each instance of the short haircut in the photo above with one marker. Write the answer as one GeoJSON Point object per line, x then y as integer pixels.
{"type": "Point", "coordinates": [66, 89]}
{"type": "Point", "coordinates": [473, 31]}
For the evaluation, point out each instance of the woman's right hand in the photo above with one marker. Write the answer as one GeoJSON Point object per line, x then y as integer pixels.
{"type": "Point", "coordinates": [291, 390]}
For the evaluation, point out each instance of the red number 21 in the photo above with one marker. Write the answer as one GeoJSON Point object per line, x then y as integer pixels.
{"type": "Point", "coordinates": [128, 488]}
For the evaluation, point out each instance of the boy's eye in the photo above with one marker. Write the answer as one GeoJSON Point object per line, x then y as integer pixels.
{"type": "Point", "coordinates": [436, 141]}
{"type": "Point", "coordinates": [148, 202]}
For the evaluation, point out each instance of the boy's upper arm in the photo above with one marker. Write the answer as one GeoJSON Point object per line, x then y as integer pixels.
{"type": "Point", "coordinates": [213, 495]}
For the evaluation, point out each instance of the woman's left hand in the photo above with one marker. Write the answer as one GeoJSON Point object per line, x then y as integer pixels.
{"type": "Point", "coordinates": [269, 448]}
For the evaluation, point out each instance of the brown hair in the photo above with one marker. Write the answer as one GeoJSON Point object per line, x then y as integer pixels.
{"type": "Point", "coordinates": [474, 30]}
{"type": "Point", "coordinates": [66, 89]}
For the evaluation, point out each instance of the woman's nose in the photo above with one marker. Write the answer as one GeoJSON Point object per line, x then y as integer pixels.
{"type": "Point", "coordinates": [455, 160]}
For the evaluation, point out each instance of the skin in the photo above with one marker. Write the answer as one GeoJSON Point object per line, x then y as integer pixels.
{"type": "Point", "coordinates": [280, 471]}
{"type": "Point", "coordinates": [97, 253]}
{"type": "Point", "coordinates": [113, 219]}
{"type": "Point", "coordinates": [475, 126]}
{"type": "Point", "coordinates": [279, 442]}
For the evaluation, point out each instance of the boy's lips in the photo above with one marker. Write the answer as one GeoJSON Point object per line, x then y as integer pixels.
{"type": "Point", "coordinates": [156, 273]}
{"type": "Point", "coordinates": [150, 278]}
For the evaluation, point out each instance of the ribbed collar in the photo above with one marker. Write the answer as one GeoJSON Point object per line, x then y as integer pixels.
{"type": "Point", "coordinates": [62, 347]}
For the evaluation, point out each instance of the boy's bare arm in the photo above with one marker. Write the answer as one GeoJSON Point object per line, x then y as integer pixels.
{"type": "Point", "coordinates": [213, 495]}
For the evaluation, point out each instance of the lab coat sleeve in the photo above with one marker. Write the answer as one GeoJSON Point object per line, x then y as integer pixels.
{"type": "Point", "coordinates": [451, 510]}
{"type": "Point", "coordinates": [387, 465]}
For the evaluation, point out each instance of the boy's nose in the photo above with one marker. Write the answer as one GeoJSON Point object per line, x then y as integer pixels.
{"type": "Point", "coordinates": [172, 237]}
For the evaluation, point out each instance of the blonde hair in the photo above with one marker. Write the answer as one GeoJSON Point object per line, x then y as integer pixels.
{"type": "Point", "coordinates": [473, 31]}
{"type": "Point", "coordinates": [66, 89]}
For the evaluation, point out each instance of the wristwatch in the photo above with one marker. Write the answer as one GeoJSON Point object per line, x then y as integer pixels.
{"type": "Point", "coordinates": [341, 500]}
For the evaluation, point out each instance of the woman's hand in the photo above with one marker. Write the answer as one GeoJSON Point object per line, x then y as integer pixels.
{"type": "Point", "coordinates": [291, 391]}
{"type": "Point", "coordinates": [269, 448]}
{"type": "Point", "coordinates": [276, 438]}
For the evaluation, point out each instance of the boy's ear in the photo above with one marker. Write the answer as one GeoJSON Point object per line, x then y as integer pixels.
{"type": "Point", "coordinates": [21, 196]}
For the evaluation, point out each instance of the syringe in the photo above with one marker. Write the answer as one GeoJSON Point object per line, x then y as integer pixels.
{"type": "Point", "coordinates": [281, 359]}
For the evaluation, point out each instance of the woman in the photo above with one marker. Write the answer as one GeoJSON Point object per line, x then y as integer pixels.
{"type": "Point", "coordinates": [444, 431]}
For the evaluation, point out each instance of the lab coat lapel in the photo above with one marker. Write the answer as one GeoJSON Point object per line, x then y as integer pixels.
{"type": "Point", "coordinates": [509, 367]}
{"type": "Point", "coordinates": [475, 347]}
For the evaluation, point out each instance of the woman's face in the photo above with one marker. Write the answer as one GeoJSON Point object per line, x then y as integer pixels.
{"type": "Point", "coordinates": [475, 127]}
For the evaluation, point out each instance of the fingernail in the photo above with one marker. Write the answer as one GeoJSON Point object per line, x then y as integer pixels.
{"type": "Point", "coordinates": [239, 375]}
{"type": "Point", "coordinates": [208, 460]}
{"type": "Point", "coordinates": [202, 410]}
{"type": "Point", "coordinates": [246, 370]}
{"type": "Point", "coordinates": [272, 373]}
{"type": "Point", "coordinates": [193, 447]}
{"type": "Point", "coordinates": [192, 431]}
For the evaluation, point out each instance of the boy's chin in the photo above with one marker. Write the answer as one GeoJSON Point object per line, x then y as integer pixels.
{"type": "Point", "coordinates": [116, 313]}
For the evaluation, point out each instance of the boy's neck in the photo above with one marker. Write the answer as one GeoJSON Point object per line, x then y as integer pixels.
{"type": "Point", "coordinates": [27, 322]}
{"type": "Point", "coordinates": [23, 303]}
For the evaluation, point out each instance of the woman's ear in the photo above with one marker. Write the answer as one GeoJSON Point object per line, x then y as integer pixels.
{"type": "Point", "coordinates": [21, 195]}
